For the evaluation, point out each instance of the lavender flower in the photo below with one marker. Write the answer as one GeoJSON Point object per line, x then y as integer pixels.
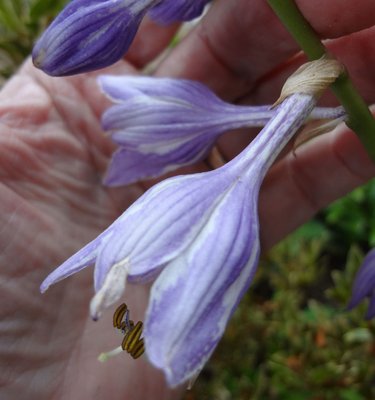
{"type": "Point", "coordinates": [200, 233]}
{"type": "Point", "coordinates": [163, 124]}
{"type": "Point", "coordinates": [88, 35]}
{"type": "Point", "coordinates": [364, 285]}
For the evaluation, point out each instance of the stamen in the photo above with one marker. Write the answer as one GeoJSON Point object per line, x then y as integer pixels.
{"type": "Point", "coordinates": [119, 314]}
{"type": "Point", "coordinates": [138, 349]}
{"type": "Point", "coordinates": [132, 342]}
{"type": "Point", "coordinates": [133, 337]}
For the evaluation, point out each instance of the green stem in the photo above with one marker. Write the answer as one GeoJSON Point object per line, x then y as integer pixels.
{"type": "Point", "coordinates": [359, 118]}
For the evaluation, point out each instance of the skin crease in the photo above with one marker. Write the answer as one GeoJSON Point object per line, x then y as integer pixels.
{"type": "Point", "coordinates": [53, 153]}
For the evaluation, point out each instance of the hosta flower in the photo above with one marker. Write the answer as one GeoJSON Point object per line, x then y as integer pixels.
{"type": "Point", "coordinates": [93, 34]}
{"type": "Point", "coordinates": [162, 124]}
{"type": "Point", "coordinates": [200, 233]}
{"type": "Point", "coordinates": [364, 285]}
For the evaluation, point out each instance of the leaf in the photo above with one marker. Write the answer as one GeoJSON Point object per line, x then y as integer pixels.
{"type": "Point", "coordinates": [41, 8]}
{"type": "Point", "coordinates": [359, 335]}
{"type": "Point", "coordinates": [350, 394]}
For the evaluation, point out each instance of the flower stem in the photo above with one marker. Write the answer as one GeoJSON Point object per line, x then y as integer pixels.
{"type": "Point", "coordinates": [359, 119]}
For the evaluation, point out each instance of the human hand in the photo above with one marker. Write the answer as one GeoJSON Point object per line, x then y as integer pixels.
{"type": "Point", "coordinates": [53, 153]}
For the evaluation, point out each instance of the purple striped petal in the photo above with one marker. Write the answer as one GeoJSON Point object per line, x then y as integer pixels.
{"type": "Point", "coordinates": [80, 260]}
{"type": "Point", "coordinates": [127, 166]}
{"type": "Point", "coordinates": [163, 124]}
{"type": "Point", "coordinates": [168, 11]}
{"type": "Point", "coordinates": [160, 224]}
{"type": "Point", "coordinates": [167, 219]}
{"type": "Point", "coordinates": [151, 126]}
{"type": "Point", "coordinates": [121, 88]}
{"type": "Point", "coordinates": [153, 231]}
{"type": "Point", "coordinates": [196, 293]}
{"type": "Point", "coordinates": [193, 299]}
{"type": "Point", "coordinates": [364, 284]}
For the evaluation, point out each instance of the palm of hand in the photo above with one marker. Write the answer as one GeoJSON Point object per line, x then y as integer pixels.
{"type": "Point", "coordinates": [53, 154]}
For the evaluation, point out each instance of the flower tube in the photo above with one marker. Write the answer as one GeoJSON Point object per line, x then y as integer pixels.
{"type": "Point", "coordinates": [364, 285]}
{"type": "Point", "coordinates": [163, 124]}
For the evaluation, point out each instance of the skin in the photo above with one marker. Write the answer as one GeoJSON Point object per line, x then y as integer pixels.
{"type": "Point", "coordinates": [53, 154]}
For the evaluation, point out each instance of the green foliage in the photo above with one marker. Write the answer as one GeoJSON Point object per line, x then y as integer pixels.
{"type": "Point", "coordinates": [21, 22]}
{"type": "Point", "coordinates": [291, 337]}
{"type": "Point", "coordinates": [352, 218]}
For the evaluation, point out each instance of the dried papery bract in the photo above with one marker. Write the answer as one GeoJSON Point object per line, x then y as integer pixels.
{"type": "Point", "coordinates": [311, 78]}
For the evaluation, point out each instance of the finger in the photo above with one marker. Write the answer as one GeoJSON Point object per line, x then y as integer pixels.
{"type": "Point", "coordinates": [338, 17]}
{"type": "Point", "coordinates": [149, 42]}
{"type": "Point", "coordinates": [240, 41]}
{"type": "Point", "coordinates": [355, 51]}
{"type": "Point", "coordinates": [298, 186]}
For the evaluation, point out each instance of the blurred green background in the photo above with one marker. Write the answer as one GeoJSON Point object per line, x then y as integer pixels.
{"type": "Point", "coordinates": [291, 337]}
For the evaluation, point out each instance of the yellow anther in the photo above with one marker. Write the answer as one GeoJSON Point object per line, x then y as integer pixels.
{"type": "Point", "coordinates": [132, 337]}
{"type": "Point", "coordinates": [138, 349]}
{"type": "Point", "coordinates": [132, 342]}
{"type": "Point", "coordinates": [119, 315]}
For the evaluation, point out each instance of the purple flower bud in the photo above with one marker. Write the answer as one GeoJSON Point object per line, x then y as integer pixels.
{"type": "Point", "coordinates": [200, 233]}
{"type": "Point", "coordinates": [88, 35]}
{"type": "Point", "coordinates": [364, 285]}
{"type": "Point", "coordinates": [169, 11]}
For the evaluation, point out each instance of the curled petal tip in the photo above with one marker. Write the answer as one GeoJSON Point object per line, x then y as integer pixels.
{"type": "Point", "coordinates": [43, 288]}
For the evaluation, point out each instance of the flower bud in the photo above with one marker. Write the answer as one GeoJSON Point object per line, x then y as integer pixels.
{"type": "Point", "coordinates": [88, 35]}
